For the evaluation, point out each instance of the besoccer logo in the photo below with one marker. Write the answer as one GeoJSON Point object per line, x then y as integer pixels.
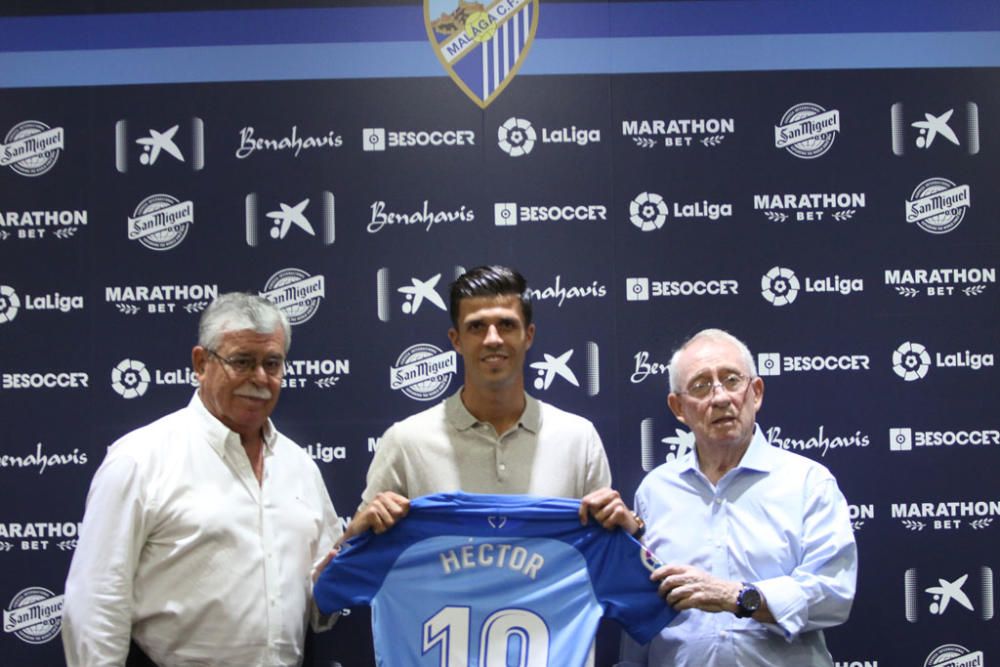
{"type": "Point", "coordinates": [648, 211]}
{"type": "Point", "coordinates": [130, 379]}
{"type": "Point", "coordinates": [516, 137]}
{"type": "Point", "coordinates": [911, 361]}
{"type": "Point", "coordinates": [779, 286]}
{"type": "Point", "coordinates": [9, 303]}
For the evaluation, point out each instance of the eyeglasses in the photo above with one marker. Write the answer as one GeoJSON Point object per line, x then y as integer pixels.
{"type": "Point", "coordinates": [243, 364]}
{"type": "Point", "coordinates": [734, 383]}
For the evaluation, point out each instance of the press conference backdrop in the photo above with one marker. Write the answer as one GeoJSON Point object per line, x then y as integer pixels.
{"type": "Point", "coordinates": [819, 178]}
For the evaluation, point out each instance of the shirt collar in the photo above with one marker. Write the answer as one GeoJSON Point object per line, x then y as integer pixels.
{"type": "Point", "coordinates": [218, 434]}
{"type": "Point", "coordinates": [759, 455]}
{"type": "Point", "coordinates": [459, 416]}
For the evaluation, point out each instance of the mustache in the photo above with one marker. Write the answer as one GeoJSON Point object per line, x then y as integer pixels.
{"type": "Point", "coordinates": [250, 391]}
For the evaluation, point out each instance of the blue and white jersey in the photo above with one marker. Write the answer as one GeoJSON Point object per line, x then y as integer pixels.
{"type": "Point", "coordinates": [491, 581]}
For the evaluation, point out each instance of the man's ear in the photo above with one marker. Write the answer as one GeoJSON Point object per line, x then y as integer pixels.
{"type": "Point", "coordinates": [199, 357]}
{"type": "Point", "coordinates": [674, 403]}
{"type": "Point", "coordinates": [453, 337]}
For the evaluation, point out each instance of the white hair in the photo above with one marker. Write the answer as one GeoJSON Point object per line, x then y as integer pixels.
{"type": "Point", "coordinates": [710, 334]}
{"type": "Point", "coordinates": [239, 311]}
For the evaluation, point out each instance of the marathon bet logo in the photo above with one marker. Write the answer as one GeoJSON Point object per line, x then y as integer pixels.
{"type": "Point", "coordinates": [324, 373]}
{"type": "Point", "coordinates": [643, 289]}
{"type": "Point", "coordinates": [810, 206]}
{"type": "Point", "coordinates": [937, 205]}
{"type": "Point", "coordinates": [935, 129]}
{"type": "Point", "coordinates": [155, 144]}
{"type": "Point", "coordinates": [35, 224]}
{"type": "Point", "coordinates": [951, 515]}
{"type": "Point", "coordinates": [250, 143]}
{"type": "Point", "coordinates": [34, 615]}
{"type": "Point", "coordinates": [859, 514]}
{"type": "Point", "coordinates": [31, 148]}
{"type": "Point", "coordinates": [774, 363]}
{"type": "Point", "coordinates": [940, 282]}
{"type": "Point", "coordinates": [954, 655]}
{"type": "Point", "coordinates": [42, 460]}
{"type": "Point", "coordinates": [160, 299]}
{"type": "Point", "coordinates": [508, 214]}
{"type": "Point", "coordinates": [295, 292]}
{"type": "Point", "coordinates": [944, 594]}
{"type": "Point", "coordinates": [45, 380]}
{"type": "Point", "coordinates": [780, 286]}
{"type": "Point", "coordinates": [820, 442]}
{"type": "Point", "coordinates": [554, 366]}
{"type": "Point", "coordinates": [379, 139]}
{"type": "Point", "coordinates": [679, 132]}
{"type": "Point", "coordinates": [11, 303]}
{"type": "Point", "coordinates": [418, 292]}
{"type": "Point", "coordinates": [648, 211]}
{"type": "Point", "coordinates": [905, 438]}
{"type": "Point", "coordinates": [911, 361]}
{"type": "Point", "coordinates": [594, 290]}
{"type": "Point", "coordinates": [287, 217]}
{"type": "Point", "coordinates": [666, 449]}
{"type": "Point", "coordinates": [160, 222]}
{"type": "Point", "coordinates": [807, 130]}
{"type": "Point", "coordinates": [39, 536]}
{"type": "Point", "coordinates": [424, 216]}
{"type": "Point", "coordinates": [423, 371]}
{"type": "Point", "coordinates": [517, 136]}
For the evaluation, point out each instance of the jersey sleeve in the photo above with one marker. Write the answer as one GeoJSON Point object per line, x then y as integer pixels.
{"type": "Point", "coordinates": [355, 575]}
{"type": "Point", "coordinates": [620, 567]}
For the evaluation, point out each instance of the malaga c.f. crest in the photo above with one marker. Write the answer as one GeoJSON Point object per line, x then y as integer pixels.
{"type": "Point", "coordinates": [481, 44]}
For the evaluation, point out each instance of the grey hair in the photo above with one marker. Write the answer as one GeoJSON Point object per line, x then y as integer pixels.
{"type": "Point", "coordinates": [711, 334]}
{"type": "Point", "coordinates": [239, 311]}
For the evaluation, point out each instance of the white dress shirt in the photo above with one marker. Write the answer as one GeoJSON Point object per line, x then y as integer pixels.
{"type": "Point", "coordinates": [778, 520]}
{"type": "Point", "coordinates": [183, 550]}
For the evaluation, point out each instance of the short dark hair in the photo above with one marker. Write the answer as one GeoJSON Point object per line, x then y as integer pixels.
{"type": "Point", "coordinates": [490, 281]}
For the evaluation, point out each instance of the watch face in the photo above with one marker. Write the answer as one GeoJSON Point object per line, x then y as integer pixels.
{"type": "Point", "coordinates": [750, 599]}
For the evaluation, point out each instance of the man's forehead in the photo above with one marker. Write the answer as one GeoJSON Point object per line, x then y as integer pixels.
{"type": "Point", "coordinates": [248, 339]}
{"type": "Point", "coordinates": [706, 355]}
{"type": "Point", "coordinates": [500, 305]}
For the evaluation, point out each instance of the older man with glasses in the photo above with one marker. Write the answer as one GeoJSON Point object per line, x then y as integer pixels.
{"type": "Point", "coordinates": [759, 551]}
{"type": "Point", "coordinates": [203, 530]}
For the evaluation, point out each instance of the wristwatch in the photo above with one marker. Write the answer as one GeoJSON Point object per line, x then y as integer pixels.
{"type": "Point", "coordinates": [748, 601]}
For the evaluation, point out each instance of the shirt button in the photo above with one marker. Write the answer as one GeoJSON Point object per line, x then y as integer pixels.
{"type": "Point", "coordinates": [718, 501]}
{"type": "Point", "coordinates": [723, 634]}
{"type": "Point", "coordinates": [503, 466]}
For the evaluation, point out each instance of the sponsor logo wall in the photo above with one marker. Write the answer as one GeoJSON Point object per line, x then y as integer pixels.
{"type": "Point", "coordinates": [845, 225]}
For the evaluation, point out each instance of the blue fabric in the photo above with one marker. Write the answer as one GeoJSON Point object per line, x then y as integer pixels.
{"type": "Point", "coordinates": [494, 575]}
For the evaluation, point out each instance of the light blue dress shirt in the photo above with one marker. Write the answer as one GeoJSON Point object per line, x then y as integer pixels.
{"type": "Point", "coordinates": [778, 520]}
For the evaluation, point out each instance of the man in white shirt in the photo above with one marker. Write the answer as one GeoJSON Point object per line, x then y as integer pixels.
{"type": "Point", "coordinates": [759, 551]}
{"type": "Point", "coordinates": [204, 529]}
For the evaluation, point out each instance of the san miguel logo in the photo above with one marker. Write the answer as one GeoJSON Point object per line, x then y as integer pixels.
{"type": "Point", "coordinates": [481, 44]}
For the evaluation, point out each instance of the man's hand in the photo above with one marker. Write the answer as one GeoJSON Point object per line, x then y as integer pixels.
{"type": "Point", "coordinates": [687, 587]}
{"type": "Point", "coordinates": [607, 506]}
{"type": "Point", "coordinates": [381, 514]}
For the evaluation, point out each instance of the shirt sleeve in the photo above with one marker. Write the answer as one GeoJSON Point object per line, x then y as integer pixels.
{"type": "Point", "coordinates": [819, 592]}
{"type": "Point", "coordinates": [332, 531]}
{"type": "Point", "coordinates": [97, 610]}
{"type": "Point", "coordinates": [387, 469]}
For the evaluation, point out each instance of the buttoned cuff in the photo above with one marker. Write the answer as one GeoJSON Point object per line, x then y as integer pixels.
{"type": "Point", "coordinates": [787, 603]}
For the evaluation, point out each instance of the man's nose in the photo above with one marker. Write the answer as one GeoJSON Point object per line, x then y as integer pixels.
{"type": "Point", "coordinates": [493, 335]}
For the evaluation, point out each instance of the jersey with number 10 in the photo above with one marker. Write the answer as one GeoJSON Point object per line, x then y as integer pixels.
{"type": "Point", "coordinates": [490, 581]}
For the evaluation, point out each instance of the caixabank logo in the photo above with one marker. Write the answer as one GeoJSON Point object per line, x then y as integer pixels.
{"type": "Point", "coordinates": [426, 217]}
{"type": "Point", "coordinates": [509, 214]}
{"type": "Point", "coordinates": [31, 148]}
{"type": "Point", "coordinates": [12, 303]}
{"type": "Point", "coordinates": [137, 143]}
{"type": "Point", "coordinates": [810, 207]}
{"type": "Point", "coordinates": [252, 142]}
{"type": "Point", "coordinates": [807, 130]}
{"type": "Point", "coordinates": [555, 367]}
{"type": "Point", "coordinates": [924, 129]}
{"type": "Point", "coordinates": [641, 288]}
{"type": "Point", "coordinates": [949, 515]}
{"type": "Point", "coordinates": [423, 371]}
{"type": "Point", "coordinates": [160, 222]}
{"type": "Point", "coordinates": [932, 594]}
{"type": "Point", "coordinates": [906, 438]}
{"type": "Point", "coordinates": [654, 450]}
{"type": "Point", "coordinates": [166, 299]}
{"type": "Point", "coordinates": [34, 615]}
{"type": "Point", "coordinates": [938, 206]}
{"type": "Point", "coordinates": [39, 536]}
{"type": "Point", "coordinates": [517, 137]}
{"type": "Point", "coordinates": [295, 292]}
{"type": "Point", "coordinates": [674, 133]}
{"type": "Point", "coordinates": [780, 285]}
{"type": "Point", "coordinates": [649, 211]}
{"type": "Point", "coordinates": [418, 294]}
{"type": "Point", "coordinates": [34, 225]}
{"type": "Point", "coordinates": [294, 220]}
{"type": "Point", "coordinates": [777, 363]}
{"type": "Point", "coordinates": [941, 282]}
{"type": "Point", "coordinates": [912, 361]}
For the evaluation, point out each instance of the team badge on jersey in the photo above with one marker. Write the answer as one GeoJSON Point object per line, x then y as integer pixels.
{"type": "Point", "coordinates": [481, 44]}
